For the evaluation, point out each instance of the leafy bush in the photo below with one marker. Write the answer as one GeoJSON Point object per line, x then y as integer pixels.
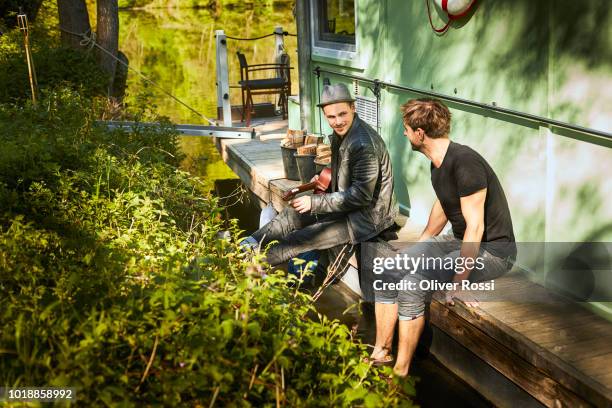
{"type": "Point", "coordinates": [113, 280]}
{"type": "Point", "coordinates": [10, 8]}
{"type": "Point", "coordinates": [57, 68]}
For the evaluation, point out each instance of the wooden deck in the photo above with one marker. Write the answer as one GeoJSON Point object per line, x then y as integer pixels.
{"type": "Point", "coordinates": [559, 353]}
{"type": "Point", "coordinates": [553, 353]}
{"type": "Point", "coordinates": [258, 162]}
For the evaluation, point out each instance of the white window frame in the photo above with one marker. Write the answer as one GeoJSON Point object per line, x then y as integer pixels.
{"type": "Point", "coordinates": [331, 49]}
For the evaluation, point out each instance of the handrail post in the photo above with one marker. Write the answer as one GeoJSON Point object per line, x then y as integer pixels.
{"type": "Point", "coordinates": [279, 42]}
{"type": "Point", "coordinates": [223, 97]}
{"type": "Point", "coordinates": [302, 22]}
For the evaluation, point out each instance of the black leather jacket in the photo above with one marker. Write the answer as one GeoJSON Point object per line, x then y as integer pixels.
{"type": "Point", "coordinates": [362, 183]}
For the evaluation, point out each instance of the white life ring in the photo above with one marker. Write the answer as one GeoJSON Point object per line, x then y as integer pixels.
{"type": "Point", "coordinates": [454, 9]}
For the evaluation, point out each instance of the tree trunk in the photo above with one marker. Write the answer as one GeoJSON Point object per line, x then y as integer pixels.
{"type": "Point", "coordinates": [73, 16]}
{"type": "Point", "coordinates": [108, 38]}
{"type": "Point", "coordinates": [121, 74]}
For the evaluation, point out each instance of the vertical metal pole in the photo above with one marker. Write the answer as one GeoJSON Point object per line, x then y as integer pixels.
{"type": "Point", "coordinates": [279, 49]}
{"type": "Point", "coordinates": [279, 42]}
{"type": "Point", "coordinates": [223, 96]}
{"type": "Point", "coordinates": [318, 74]}
{"type": "Point", "coordinates": [22, 22]}
{"type": "Point", "coordinates": [302, 18]}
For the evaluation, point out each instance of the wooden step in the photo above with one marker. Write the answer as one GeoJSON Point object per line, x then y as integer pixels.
{"type": "Point", "coordinates": [558, 352]}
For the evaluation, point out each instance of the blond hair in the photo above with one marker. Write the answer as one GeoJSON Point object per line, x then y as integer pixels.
{"type": "Point", "coordinates": [431, 115]}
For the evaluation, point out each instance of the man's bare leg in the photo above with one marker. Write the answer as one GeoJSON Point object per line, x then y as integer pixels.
{"type": "Point", "coordinates": [409, 333]}
{"type": "Point", "coordinates": [386, 316]}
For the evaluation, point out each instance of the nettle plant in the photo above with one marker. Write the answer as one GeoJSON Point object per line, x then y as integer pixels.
{"type": "Point", "coordinates": [113, 280]}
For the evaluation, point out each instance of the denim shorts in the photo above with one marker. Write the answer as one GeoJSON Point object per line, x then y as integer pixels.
{"type": "Point", "coordinates": [443, 250]}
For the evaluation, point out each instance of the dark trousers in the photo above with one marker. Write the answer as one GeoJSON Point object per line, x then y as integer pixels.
{"type": "Point", "coordinates": [297, 233]}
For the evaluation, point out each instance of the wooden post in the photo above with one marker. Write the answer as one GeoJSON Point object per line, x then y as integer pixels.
{"type": "Point", "coordinates": [223, 89]}
{"type": "Point", "coordinates": [279, 42]}
{"type": "Point", "coordinates": [302, 19]}
{"type": "Point", "coordinates": [22, 22]}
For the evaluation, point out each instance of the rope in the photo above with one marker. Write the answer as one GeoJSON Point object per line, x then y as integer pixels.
{"type": "Point", "coordinates": [437, 30]}
{"type": "Point", "coordinates": [259, 38]}
{"type": "Point", "coordinates": [249, 39]}
{"type": "Point", "coordinates": [88, 39]}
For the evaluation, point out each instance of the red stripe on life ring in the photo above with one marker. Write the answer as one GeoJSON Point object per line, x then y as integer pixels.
{"type": "Point", "coordinates": [445, 6]}
{"type": "Point", "coordinates": [437, 30]}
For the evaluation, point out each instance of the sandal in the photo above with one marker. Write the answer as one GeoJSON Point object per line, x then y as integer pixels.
{"type": "Point", "coordinates": [387, 360]}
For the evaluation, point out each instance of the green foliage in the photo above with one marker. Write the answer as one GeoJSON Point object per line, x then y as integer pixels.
{"type": "Point", "coordinates": [55, 67]}
{"type": "Point", "coordinates": [113, 280]}
{"type": "Point", "coordinates": [10, 8]}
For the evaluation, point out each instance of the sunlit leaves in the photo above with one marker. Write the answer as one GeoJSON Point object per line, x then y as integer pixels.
{"type": "Point", "coordinates": [113, 281]}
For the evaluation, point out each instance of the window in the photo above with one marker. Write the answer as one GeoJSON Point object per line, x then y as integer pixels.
{"type": "Point", "coordinates": [334, 27]}
{"type": "Point", "coordinates": [337, 21]}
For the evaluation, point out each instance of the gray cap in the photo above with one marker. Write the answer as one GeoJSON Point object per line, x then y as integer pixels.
{"type": "Point", "coordinates": [335, 94]}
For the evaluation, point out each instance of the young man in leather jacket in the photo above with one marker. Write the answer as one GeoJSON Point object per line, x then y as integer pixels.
{"type": "Point", "coordinates": [359, 204]}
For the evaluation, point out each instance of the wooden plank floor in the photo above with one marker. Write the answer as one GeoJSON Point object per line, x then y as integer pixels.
{"type": "Point", "coordinates": [568, 344]}
{"type": "Point", "coordinates": [557, 351]}
{"type": "Point", "coordinates": [258, 162]}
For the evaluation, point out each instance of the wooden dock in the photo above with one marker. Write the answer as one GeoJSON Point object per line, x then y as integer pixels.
{"type": "Point", "coordinates": [258, 162]}
{"type": "Point", "coordinates": [553, 353]}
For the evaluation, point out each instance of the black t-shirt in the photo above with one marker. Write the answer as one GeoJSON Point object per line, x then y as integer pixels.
{"type": "Point", "coordinates": [463, 172]}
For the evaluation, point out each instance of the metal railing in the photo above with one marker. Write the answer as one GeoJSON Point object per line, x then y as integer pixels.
{"type": "Point", "coordinates": [540, 120]}
{"type": "Point", "coordinates": [222, 67]}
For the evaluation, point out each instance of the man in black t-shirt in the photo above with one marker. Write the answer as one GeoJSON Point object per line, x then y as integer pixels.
{"type": "Point", "coordinates": [480, 247]}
